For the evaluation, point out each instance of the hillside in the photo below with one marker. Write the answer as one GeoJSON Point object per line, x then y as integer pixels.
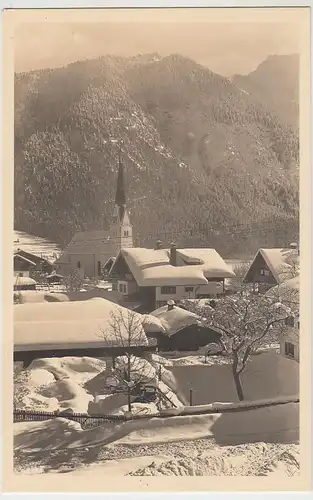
{"type": "Point", "coordinates": [275, 83]}
{"type": "Point", "coordinates": [35, 245]}
{"type": "Point", "coordinates": [205, 163]}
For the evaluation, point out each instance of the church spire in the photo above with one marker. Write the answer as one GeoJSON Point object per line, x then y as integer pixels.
{"type": "Point", "coordinates": [120, 197]}
{"type": "Point", "coordinates": [121, 227]}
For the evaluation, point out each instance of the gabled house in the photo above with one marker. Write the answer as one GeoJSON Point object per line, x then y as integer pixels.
{"type": "Point", "coordinates": [183, 330]}
{"type": "Point", "coordinates": [290, 337]}
{"type": "Point", "coordinates": [26, 263]}
{"type": "Point", "coordinates": [90, 252]}
{"type": "Point", "coordinates": [272, 266]}
{"type": "Point", "coordinates": [22, 265]}
{"type": "Point", "coordinates": [153, 277]}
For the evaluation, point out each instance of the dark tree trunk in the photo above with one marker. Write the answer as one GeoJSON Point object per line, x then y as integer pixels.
{"type": "Point", "coordinates": [238, 384]}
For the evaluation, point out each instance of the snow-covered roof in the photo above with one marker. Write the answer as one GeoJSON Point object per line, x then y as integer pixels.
{"type": "Point", "coordinates": [17, 255]}
{"type": "Point", "coordinates": [279, 260]}
{"type": "Point", "coordinates": [193, 266]}
{"type": "Point", "coordinates": [175, 319]}
{"type": "Point", "coordinates": [210, 262]}
{"type": "Point", "coordinates": [61, 325]}
{"type": "Point", "coordinates": [35, 296]}
{"type": "Point", "coordinates": [23, 281]}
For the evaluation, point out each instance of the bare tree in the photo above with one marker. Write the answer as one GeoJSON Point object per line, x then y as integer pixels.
{"type": "Point", "coordinates": [246, 321]}
{"type": "Point", "coordinates": [125, 330]}
{"type": "Point", "coordinates": [240, 270]}
{"type": "Point", "coordinates": [291, 268]}
{"type": "Point", "coordinates": [73, 282]}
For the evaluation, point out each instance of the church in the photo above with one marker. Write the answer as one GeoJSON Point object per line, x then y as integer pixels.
{"type": "Point", "coordinates": [89, 252]}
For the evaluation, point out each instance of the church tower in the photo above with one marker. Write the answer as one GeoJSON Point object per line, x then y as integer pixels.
{"type": "Point", "coordinates": [121, 228]}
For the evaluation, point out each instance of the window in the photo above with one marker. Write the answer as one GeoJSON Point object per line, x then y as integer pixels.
{"type": "Point", "coordinates": [78, 264]}
{"type": "Point", "coordinates": [289, 349]}
{"type": "Point", "coordinates": [168, 290]}
{"type": "Point", "coordinates": [266, 272]}
{"type": "Point", "coordinates": [126, 233]}
{"type": "Point", "coordinates": [99, 268]}
{"type": "Point", "coordinates": [262, 272]}
{"type": "Point", "coordinates": [114, 287]}
{"type": "Point", "coordinates": [290, 321]}
{"type": "Point", "coordinates": [188, 289]}
{"type": "Point", "coordinates": [122, 288]}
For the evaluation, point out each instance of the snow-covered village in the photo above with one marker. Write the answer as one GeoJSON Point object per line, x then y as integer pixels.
{"type": "Point", "coordinates": [156, 262]}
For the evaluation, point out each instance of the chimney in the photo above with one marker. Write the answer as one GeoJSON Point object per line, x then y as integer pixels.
{"type": "Point", "coordinates": [158, 245]}
{"type": "Point", "coordinates": [170, 305]}
{"type": "Point", "coordinates": [173, 254]}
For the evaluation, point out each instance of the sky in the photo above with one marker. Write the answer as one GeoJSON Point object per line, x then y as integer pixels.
{"type": "Point", "coordinates": [226, 48]}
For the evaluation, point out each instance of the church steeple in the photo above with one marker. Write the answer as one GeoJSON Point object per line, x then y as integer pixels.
{"type": "Point", "coordinates": [121, 228]}
{"type": "Point", "coordinates": [120, 196]}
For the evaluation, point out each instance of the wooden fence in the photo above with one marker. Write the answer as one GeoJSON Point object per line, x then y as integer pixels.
{"type": "Point", "coordinates": [95, 420]}
{"type": "Point", "coordinates": [84, 419]}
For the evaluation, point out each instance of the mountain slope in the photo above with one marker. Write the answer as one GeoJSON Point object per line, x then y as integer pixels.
{"type": "Point", "coordinates": [201, 156]}
{"type": "Point", "coordinates": [275, 84]}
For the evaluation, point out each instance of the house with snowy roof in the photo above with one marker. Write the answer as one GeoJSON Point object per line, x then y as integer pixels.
{"type": "Point", "coordinates": [182, 330]}
{"type": "Point", "coordinates": [25, 263]}
{"type": "Point", "coordinates": [154, 276]}
{"type": "Point", "coordinates": [91, 253]}
{"type": "Point", "coordinates": [272, 266]}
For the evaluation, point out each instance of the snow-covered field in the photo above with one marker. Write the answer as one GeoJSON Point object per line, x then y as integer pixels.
{"type": "Point", "coordinates": [35, 245]}
{"type": "Point", "coordinates": [256, 442]}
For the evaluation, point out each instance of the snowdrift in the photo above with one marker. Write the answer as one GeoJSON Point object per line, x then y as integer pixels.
{"type": "Point", "coordinates": [58, 383]}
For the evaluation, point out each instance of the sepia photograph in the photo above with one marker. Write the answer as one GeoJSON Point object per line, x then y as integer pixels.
{"type": "Point", "coordinates": [153, 261]}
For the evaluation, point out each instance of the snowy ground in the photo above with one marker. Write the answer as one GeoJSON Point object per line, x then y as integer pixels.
{"type": "Point", "coordinates": [187, 445]}
{"type": "Point", "coordinates": [218, 444]}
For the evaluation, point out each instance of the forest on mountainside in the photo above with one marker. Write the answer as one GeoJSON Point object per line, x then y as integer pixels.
{"type": "Point", "coordinates": [207, 162]}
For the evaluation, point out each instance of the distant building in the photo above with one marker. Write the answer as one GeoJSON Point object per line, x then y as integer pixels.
{"type": "Point", "coordinates": [290, 337]}
{"type": "Point", "coordinates": [26, 264]}
{"type": "Point", "coordinates": [272, 266]}
{"type": "Point", "coordinates": [289, 341]}
{"type": "Point", "coordinates": [91, 252]}
{"type": "Point", "coordinates": [152, 277]}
